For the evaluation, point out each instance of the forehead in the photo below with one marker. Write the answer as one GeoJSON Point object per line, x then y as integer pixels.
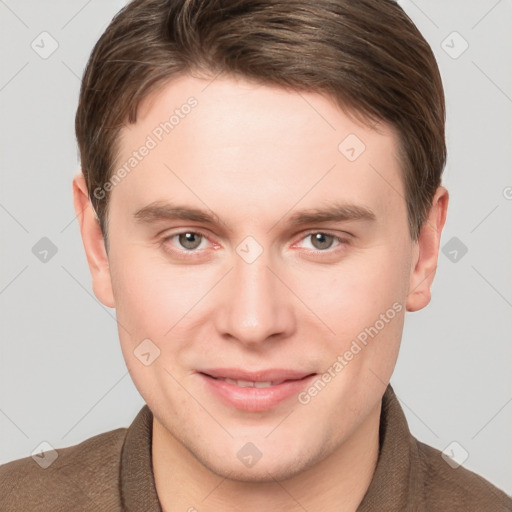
{"type": "Point", "coordinates": [243, 109]}
{"type": "Point", "coordinates": [255, 146]}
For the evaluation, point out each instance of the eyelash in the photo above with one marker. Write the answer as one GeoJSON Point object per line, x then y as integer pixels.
{"type": "Point", "coordinates": [341, 242]}
{"type": "Point", "coordinates": [194, 252]}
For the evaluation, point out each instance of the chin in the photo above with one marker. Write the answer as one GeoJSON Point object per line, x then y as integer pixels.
{"type": "Point", "coordinates": [257, 475]}
{"type": "Point", "coordinates": [261, 471]}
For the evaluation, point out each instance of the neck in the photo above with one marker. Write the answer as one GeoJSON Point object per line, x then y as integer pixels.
{"type": "Point", "coordinates": [337, 483]}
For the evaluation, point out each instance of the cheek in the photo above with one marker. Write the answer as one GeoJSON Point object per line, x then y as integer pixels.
{"type": "Point", "coordinates": [146, 294]}
{"type": "Point", "coordinates": [359, 289]}
{"type": "Point", "coordinates": [152, 302]}
{"type": "Point", "coordinates": [157, 299]}
{"type": "Point", "coordinates": [362, 302]}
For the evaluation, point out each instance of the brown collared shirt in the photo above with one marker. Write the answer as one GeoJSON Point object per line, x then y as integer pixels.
{"type": "Point", "coordinates": [112, 472]}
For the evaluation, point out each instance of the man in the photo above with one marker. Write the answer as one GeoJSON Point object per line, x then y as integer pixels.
{"type": "Point", "coordinates": [261, 203]}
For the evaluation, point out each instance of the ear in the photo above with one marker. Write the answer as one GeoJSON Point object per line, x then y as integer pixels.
{"type": "Point", "coordinates": [427, 252]}
{"type": "Point", "coordinates": [94, 243]}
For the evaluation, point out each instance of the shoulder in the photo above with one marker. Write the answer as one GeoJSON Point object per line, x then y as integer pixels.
{"type": "Point", "coordinates": [82, 477]}
{"type": "Point", "coordinates": [457, 488]}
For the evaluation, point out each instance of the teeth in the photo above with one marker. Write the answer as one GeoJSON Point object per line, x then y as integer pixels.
{"type": "Point", "coordinates": [262, 384]}
{"type": "Point", "coordinates": [251, 384]}
{"type": "Point", "coordinates": [245, 383]}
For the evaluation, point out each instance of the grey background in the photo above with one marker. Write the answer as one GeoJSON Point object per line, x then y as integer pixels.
{"type": "Point", "coordinates": [62, 375]}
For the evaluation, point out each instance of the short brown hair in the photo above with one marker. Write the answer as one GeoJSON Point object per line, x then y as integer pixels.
{"type": "Point", "coordinates": [366, 55]}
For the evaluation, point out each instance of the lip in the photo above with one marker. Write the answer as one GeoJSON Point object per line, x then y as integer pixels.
{"type": "Point", "coordinates": [264, 375]}
{"type": "Point", "coordinates": [253, 399]}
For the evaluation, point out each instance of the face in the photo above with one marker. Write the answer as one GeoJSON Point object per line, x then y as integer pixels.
{"type": "Point", "coordinates": [262, 237]}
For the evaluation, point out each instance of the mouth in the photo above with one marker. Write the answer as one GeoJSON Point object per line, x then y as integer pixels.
{"type": "Point", "coordinates": [254, 391]}
{"type": "Point", "coordinates": [248, 383]}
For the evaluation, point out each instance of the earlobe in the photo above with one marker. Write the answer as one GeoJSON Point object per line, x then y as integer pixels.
{"type": "Point", "coordinates": [94, 243]}
{"type": "Point", "coordinates": [427, 252]}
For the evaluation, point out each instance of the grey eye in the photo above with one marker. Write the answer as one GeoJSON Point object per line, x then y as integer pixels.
{"type": "Point", "coordinates": [321, 240]}
{"type": "Point", "coordinates": [190, 240]}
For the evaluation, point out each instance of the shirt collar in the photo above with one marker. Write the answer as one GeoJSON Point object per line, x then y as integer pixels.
{"type": "Point", "coordinates": [395, 484]}
{"type": "Point", "coordinates": [137, 483]}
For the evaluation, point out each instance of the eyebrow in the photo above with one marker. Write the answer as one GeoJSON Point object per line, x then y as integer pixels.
{"type": "Point", "coordinates": [165, 211]}
{"type": "Point", "coordinates": [335, 212]}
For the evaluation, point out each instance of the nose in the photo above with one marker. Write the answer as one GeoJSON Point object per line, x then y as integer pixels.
{"type": "Point", "coordinates": [256, 306]}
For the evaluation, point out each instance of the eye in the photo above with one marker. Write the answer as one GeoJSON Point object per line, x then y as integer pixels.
{"type": "Point", "coordinates": [188, 240]}
{"type": "Point", "coordinates": [322, 241]}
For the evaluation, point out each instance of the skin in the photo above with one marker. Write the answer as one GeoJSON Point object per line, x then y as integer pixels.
{"type": "Point", "coordinates": [254, 155]}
